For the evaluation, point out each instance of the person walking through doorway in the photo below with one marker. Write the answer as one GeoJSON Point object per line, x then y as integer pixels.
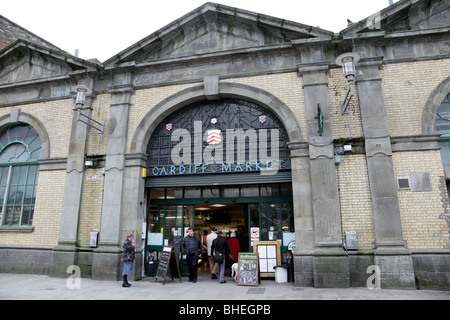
{"type": "Point", "coordinates": [233, 243]}
{"type": "Point", "coordinates": [221, 250]}
{"type": "Point", "coordinates": [212, 266]}
{"type": "Point", "coordinates": [192, 248]}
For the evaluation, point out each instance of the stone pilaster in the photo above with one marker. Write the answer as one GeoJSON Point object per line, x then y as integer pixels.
{"type": "Point", "coordinates": [391, 255]}
{"type": "Point", "coordinates": [330, 263]}
{"type": "Point", "coordinates": [66, 252]}
{"type": "Point", "coordinates": [106, 260]}
{"type": "Point", "coordinates": [303, 214]}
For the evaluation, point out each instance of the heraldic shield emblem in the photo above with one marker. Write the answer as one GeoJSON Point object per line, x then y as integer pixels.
{"type": "Point", "coordinates": [214, 136]}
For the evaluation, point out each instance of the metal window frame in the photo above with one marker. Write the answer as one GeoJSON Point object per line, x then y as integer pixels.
{"type": "Point", "coordinates": [19, 201]}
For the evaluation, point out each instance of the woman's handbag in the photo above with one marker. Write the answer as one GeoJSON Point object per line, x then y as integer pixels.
{"type": "Point", "coordinates": [219, 257]}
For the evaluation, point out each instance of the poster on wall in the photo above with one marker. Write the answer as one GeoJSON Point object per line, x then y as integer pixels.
{"type": "Point", "coordinates": [254, 234]}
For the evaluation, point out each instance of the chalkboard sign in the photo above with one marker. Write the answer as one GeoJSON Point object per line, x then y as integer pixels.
{"type": "Point", "coordinates": [177, 246]}
{"type": "Point", "coordinates": [248, 269]}
{"type": "Point", "coordinates": [168, 260]}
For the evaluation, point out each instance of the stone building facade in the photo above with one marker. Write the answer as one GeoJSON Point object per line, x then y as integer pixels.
{"type": "Point", "coordinates": [390, 188]}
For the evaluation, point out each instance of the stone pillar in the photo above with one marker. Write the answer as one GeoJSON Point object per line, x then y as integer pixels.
{"type": "Point", "coordinates": [66, 252]}
{"type": "Point", "coordinates": [303, 214]}
{"type": "Point", "coordinates": [330, 261]}
{"type": "Point", "coordinates": [106, 264]}
{"type": "Point", "coordinates": [391, 254]}
{"type": "Point", "coordinates": [134, 206]}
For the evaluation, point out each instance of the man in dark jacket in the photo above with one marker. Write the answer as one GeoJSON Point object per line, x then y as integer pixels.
{"type": "Point", "coordinates": [220, 250]}
{"type": "Point", "coordinates": [192, 248]}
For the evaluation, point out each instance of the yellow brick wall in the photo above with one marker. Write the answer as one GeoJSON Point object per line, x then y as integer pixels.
{"type": "Point", "coordinates": [91, 205]}
{"type": "Point", "coordinates": [406, 87]}
{"type": "Point", "coordinates": [56, 117]}
{"type": "Point", "coordinates": [285, 86]}
{"type": "Point", "coordinates": [343, 126]}
{"type": "Point", "coordinates": [144, 100]}
{"type": "Point", "coordinates": [422, 213]}
{"type": "Point", "coordinates": [98, 142]}
{"type": "Point", "coordinates": [47, 213]}
{"type": "Point", "coordinates": [356, 206]}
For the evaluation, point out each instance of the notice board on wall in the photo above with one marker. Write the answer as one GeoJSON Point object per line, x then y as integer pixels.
{"type": "Point", "coordinates": [269, 256]}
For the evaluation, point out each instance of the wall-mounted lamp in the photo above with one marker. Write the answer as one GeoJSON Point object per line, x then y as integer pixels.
{"type": "Point", "coordinates": [348, 62]}
{"type": "Point", "coordinates": [82, 91]}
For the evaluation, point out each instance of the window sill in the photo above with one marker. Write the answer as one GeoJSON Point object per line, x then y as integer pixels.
{"type": "Point", "coordinates": [16, 229]}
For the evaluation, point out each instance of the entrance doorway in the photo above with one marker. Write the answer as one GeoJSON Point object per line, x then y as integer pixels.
{"type": "Point", "coordinates": [266, 208]}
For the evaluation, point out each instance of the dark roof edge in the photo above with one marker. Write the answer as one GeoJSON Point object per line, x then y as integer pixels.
{"type": "Point", "coordinates": [31, 33]}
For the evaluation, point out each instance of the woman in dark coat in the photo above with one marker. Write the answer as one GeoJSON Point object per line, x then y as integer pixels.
{"type": "Point", "coordinates": [221, 250]}
{"type": "Point", "coordinates": [127, 259]}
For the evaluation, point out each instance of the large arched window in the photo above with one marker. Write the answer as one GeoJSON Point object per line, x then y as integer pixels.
{"type": "Point", "coordinates": [20, 149]}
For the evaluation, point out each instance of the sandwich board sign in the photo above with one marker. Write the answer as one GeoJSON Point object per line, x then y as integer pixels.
{"type": "Point", "coordinates": [168, 259]}
{"type": "Point", "coordinates": [248, 269]}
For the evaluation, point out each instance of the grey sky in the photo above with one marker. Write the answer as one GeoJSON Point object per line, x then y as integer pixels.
{"type": "Point", "coordinates": [103, 28]}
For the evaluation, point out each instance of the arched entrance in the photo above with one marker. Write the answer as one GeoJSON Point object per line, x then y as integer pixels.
{"type": "Point", "coordinates": [222, 163]}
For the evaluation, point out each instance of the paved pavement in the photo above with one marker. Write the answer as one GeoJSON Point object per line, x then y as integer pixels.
{"type": "Point", "coordinates": [34, 287]}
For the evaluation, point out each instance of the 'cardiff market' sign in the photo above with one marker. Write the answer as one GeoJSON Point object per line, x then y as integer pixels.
{"type": "Point", "coordinates": [266, 167]}
{"type": "Point", "coordinates": [190, 155]}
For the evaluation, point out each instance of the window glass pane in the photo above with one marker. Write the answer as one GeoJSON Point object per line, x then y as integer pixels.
{"type": "Point", "coordinates": [193, 193]}
{"type": "Point", "coordinates": [270, 190]}
{"type": "Point", "coordinates": [445, 153]}
{"type": "Point", "coordinates": [30, 137]}
{"type": "Point", "coordinates": [12, 195]}
{"type": "Point", "coordinates": [264, 211]}
{"type": "Point", "coordinates": [13, 132]}
{"type": "Point", "coordinates": [254, 216]}
{"type": "Point", "coordinates": [32, 172]}
{"type": "Point", "coordinates": [170, 224]}
{"type": "Point", "coordinates": [26, 213]}
{"type": "Point", "coordinates": [15, 175]}
{"type": "Point", "coordinates": [8, 216]}
{"type": "Point", "coordinates": [16, 215]}
{"type": "Point", "coordinates": [286, 189]}
{"type": "Point", "coordinates": [22, 175]}
{"type": "Point", "coordinates": [152, 222]}
{"type": "Point", "coordinates": [4, 140]}
{"type": "Point", "coordinates": [4, 178]}
{"type": "Point", "coordinates": [19, 144]}
{"type": "Point", "coordinates": [23, 131]}
{"type": "Point", "coordinates": [174, 193]}
{"type": "Point", "coordinates": [250, 191]}
{"type": "Point", "coordinates": [22, 154]}
{"type": "Point", "coordinates": [157, 193]}
{"type": "Point", "coordinates": [2, 196]}
{"type": "Point", "coordinates": [211, 192]}
{"type": "Point", "coordinates": [287, 217]}
{"type": "Point", "coordinates": [8, 154]}
{"type": "Point", "coordinates": [31, 212]}
{"type": "Point", "coordinates": [274, 221]}
{"type": "Point", "coordinates": [231, 192]}
{"type": "Point", "coordinates": [188, 216]}
{"type": "Point", "coordinates": [29, 195]}
{"type": "Point", "coordinates": [36, 154]}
